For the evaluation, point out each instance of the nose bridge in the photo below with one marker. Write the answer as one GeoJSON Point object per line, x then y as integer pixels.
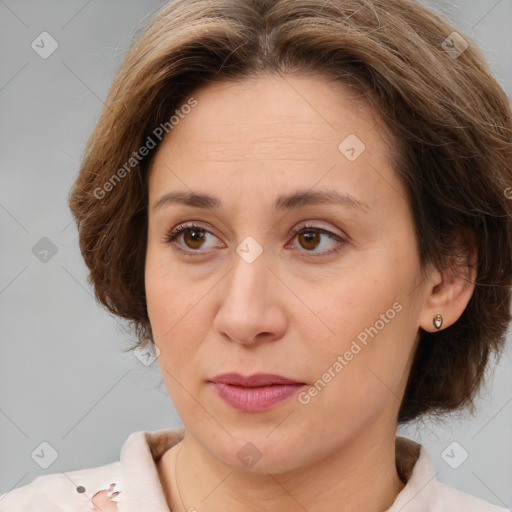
{"type": "Point", "coordinates": [245, 302]}
{"type": "Point", "coordinates": [249, 275]}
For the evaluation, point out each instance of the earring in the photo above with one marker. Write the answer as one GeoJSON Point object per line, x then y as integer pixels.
{"type": "Point", "coordinates": [438, 321]}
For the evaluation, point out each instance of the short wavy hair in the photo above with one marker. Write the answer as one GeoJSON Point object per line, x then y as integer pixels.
{"type": "Point", "coordinates": [450, 120]}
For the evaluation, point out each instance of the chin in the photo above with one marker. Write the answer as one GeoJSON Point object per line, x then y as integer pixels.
{"type": "Point", "coordinates": [257, 453]}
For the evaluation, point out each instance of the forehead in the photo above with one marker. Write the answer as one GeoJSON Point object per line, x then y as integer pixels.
{"type": "Point", "coordinates": [274, 129]}
{"type": "Point", "coordinates": [311, 109]}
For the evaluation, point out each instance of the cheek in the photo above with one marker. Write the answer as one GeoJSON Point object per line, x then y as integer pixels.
{"type": "Point", "coordinates": [179, 320]}
{"type": "Point", "coordinates": [355, 383]}
{"type": "Point", "coordinates": [177, 330]}
{"type": "Point", "coordinates": [165, 293]}
{"type": "Point", "coordinates": [370, 330]}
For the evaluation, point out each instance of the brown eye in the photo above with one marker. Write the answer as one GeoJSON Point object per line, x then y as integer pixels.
{"type": "Point", "coordinates": [193, 238]}
{"type": "Point", "coordinates": [309, 240]}
{"type": "Point", "coordinates": [189, 238]}
{"type": "Point", "coordinates": [312, 237]}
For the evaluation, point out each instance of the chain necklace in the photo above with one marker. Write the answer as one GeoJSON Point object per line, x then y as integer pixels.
{"type": "Point", "coordinates": [176, 478]}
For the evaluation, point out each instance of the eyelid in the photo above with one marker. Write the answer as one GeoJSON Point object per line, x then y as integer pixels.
{"type": "Point", "coordinates": [313, 225]}
{"type": "Point", "coordinates": [191, 224]}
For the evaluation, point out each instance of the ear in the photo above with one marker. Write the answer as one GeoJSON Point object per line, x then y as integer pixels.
{"type": "Point", "coordinates": [449, 291]}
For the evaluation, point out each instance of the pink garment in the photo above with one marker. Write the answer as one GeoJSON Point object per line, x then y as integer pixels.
{"type": "Point", "coordinates": [132, 484]}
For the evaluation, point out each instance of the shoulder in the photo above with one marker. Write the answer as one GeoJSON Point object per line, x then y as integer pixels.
{"type": "Point", "coordinates": [101, 488]}
{"type": "Point", "coordinates": [68, 491]}
{"type": "Point", "coordinates": [423, 491]}
{"type": "Point", "coordinates": [454, 500]}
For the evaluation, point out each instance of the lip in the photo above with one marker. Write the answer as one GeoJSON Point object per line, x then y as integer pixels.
{"type": "Point", "coordinates": [255, 380]}
{"type": "Point", "coordinates": [254, 393]}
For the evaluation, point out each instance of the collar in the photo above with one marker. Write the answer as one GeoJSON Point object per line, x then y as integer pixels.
{"type": "Point", "coordinates": [141, 488]}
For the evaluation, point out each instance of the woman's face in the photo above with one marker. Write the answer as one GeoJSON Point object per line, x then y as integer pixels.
{"type": "Point", "coordinates": [248, 289]}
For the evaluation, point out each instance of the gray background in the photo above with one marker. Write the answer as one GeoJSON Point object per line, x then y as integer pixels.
{"type": "Point", "coordinates": [63, 377]}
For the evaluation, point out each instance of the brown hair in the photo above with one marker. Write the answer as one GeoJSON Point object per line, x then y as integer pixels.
{"type": "Point", "coordinates": [451, 121]}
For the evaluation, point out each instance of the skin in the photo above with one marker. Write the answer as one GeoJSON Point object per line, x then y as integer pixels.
{"type": "Point", "coordinates": [288, 312]}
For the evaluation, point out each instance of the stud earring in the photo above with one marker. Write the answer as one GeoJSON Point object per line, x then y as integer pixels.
{"type": "Point", "coordinates": [438, 321]}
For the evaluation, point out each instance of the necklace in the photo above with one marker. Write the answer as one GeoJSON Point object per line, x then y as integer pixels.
{"type": "Point", "coordinates": [176, 478]}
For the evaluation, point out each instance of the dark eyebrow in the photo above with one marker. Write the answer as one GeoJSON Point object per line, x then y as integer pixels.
{"type": "Point", "coordinates": [286, 202]}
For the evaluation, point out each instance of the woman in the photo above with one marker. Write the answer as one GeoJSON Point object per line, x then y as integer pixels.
{"type": "Point", "coordinates": [303, 207]}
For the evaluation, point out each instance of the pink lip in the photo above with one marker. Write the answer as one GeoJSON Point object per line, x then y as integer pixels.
{"type": "Point", "coordinates": [254, 393]}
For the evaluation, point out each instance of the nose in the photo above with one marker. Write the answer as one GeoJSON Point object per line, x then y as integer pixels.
{"type": "Point", "coordinates": [250, 309]}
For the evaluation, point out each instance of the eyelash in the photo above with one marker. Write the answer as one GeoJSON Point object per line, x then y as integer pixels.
{"type": "Point", "coordinates": [182, 228]}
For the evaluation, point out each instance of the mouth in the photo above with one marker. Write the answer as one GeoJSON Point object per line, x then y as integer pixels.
{"type": "Point", "coordinates": [255, 393]}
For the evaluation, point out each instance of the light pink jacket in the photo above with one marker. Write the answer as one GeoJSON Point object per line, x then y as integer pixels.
{"type": "Point", "coordinates": [132, 484]}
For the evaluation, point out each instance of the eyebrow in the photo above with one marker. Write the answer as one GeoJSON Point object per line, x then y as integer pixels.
{"type": "Point", "coordinates": [282, 203]}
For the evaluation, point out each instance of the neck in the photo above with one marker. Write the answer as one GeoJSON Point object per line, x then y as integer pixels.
{"type": "Point", "coordinates": [359, 475]}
